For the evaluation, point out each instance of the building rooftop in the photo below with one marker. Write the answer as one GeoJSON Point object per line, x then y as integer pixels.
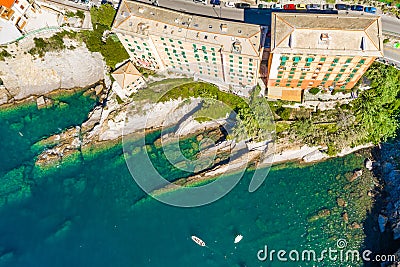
{"type": "Point", "coordinates": [328, 34]}
{"type": "Point", "coordinates": [126, 74]}
{"type": "Point", "coordinates": [6, 3]}
{"type": "Point", "coordinates": [142, 18]}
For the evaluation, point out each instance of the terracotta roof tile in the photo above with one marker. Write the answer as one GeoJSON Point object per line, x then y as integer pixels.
{"type": "Point", "coordinates": [6, 3]}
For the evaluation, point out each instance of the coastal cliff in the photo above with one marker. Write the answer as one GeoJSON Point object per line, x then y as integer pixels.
{"type": "Point", "coordinates": [23, 75]}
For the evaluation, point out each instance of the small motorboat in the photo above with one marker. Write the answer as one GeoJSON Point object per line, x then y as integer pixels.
{"type": "Point", "coordinates": [238, 238]}
{"type": "Point", "coordinates": [198, 241]}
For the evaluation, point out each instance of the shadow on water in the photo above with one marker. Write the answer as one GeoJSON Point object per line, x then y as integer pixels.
{"type": "Point", "coordinates": [375, 241]}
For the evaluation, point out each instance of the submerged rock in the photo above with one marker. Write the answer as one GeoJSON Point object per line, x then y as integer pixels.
{"type": "Point", "coordinates": [61, 231]}
{"type": "Point", "coordinates": [6, 256]}
{"type": "Point", "coordinates": [355, 225]}
{"type": "Point", "coordinates": [341, 202]}
{"type": "Point", "coordinates": [356, 174]}
{"type": "Point", "coordinates": [345, 217]}
{"type": "Point", "coordinates": [382, 220]}
{"type": "Point", "coordinates": [319, 215]}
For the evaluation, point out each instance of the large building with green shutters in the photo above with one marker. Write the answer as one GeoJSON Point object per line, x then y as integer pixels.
{"type": "Point", "coordinates": [223, 52]}
{"type": "Point", "coordinates": [320, 51]}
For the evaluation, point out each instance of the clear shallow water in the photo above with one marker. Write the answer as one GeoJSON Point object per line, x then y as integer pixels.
{"type": "Point", "coordinates": [86, 214]}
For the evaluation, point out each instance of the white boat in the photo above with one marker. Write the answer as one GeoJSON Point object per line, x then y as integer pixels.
{"type": "Point", "coordinates": [198, 241]}
{"type": "Point", "coordinates": [238, 238]}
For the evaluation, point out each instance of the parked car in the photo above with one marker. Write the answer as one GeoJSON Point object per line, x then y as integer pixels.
{"type": "Point", "coordinates": [229, 4]}
{"type": "Point", "coordinates": [342, 7]}
{"type": "Point", "coordinates": [328, 7]}
{"type": "Point", "coordinates": [301, 7]}
{"type": "Point", "coordinates": [289, 7]}
{"type": "Point", "coordinates": [215, 2]}
{"type": "Point", "coordinates": [357, 8]}
{"type": "Point", "coordinates": [313, 7]}
{"type": "Point", "coordinates": [370, 9]}
{"type": "Point", "coordinates": [242, 5]}
{"type": "Point", "coordinates": [204, 2]}
{"type": "Point", "coordinates": [276, 6]}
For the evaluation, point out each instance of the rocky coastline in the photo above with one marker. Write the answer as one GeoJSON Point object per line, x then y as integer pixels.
{"type": "Point", "coordinates": [387, 157]}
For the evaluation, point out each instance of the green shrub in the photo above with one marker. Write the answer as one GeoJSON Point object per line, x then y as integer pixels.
{"type": "Point", "coordinates": [332, 150]}
{"type": "Point", "coordinates": [80, 14]}
{"type": "Point", "coordinates": [284, 113]}
{"type": "Point", "coordinates": [4, 54]}
{"type": "Point", "coordinates": [386, 40]}
{"type": "Point", "coordinates": [54, 43]}
{"type": "Point", "coordinates": [314, 91]}
{"type": "Point", "coordinates": [103, 15]}
{"type": "Point", "coordinates": [112, 50]}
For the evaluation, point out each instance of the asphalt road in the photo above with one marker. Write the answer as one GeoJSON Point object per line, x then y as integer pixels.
{"type": "Point", "coordinates": [392, 54]}
{"type": "Point", "coordinates": [391, 24]}
{"type": "Point", "coordinates": [201, 9]}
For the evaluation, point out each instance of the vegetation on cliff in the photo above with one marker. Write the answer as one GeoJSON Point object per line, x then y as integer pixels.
{"type": "Point", "coordinates": [111, 49]}
{"type": "Point", "coordinates": [371, 118]}
{"type": "Point", "coordinates": [254, 121]}
{"type": "Point", "coordinates": [96, 41]}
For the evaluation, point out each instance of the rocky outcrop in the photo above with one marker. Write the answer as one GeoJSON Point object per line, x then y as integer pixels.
{"type": "Point", "coordinates": [24, 76]}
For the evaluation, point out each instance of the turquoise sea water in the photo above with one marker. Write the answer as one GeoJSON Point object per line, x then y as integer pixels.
{"type": "Point", "coordinates": [86, 213]}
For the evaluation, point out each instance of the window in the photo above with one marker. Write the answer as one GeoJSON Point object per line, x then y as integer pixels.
{"type": "Point", "coordinates": [171, 40]}
{"type": "Point", "coordinates": [348, 60]}
{"type": "Point", "coordinates": [323, 59]}
{"type": "Point", "coordinates": [336, 60]}
{"type": "Point", "coordinates": [310, 59]}
{"type": "Point", "coordinates": [362, 61]}
{"type": "Point", "coordinates": [296, 59]}
{"type": "Point", "coordinates": [179, 42]}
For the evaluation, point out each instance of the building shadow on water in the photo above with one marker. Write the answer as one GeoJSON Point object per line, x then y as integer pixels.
{"type": "Point", "coordinates": [379, 243]}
